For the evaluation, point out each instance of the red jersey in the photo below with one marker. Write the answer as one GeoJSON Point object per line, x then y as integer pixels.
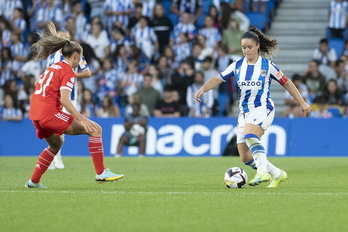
{"type": "Point", "coordinates": [45, 100]}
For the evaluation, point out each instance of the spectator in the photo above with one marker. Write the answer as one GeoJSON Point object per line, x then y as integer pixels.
{"type": "Point", "coordinates": [30, 67]}
{"type": "Point", "coordinates": [182, 50]}
{"type": "Point", "coordinates": [117, 11]}
{"type": "Point", "coordinates": [149, 95]}
{"type": "Point", "coordinates": [214, 13]}
{"type": "Point", "coordinates": [87, 104]}
{"type": "Point", "coordinates": [192, 7]}
{"type": "Point", "coordinates": [321, 111]}
{"type": "Point", "coordinates": [223, 59]}
{"type": "Point", "coordinates": [211, 33]}
{"type": "Point", "coordinates": [131, 81]}
{"type": "Point", "coordinates": [49, 12]}
{"type": "Point", "coordinates": [145, 37]}
{"type": "Point", "coordinates": [5, 31]}
{"type": "Point", "coordinates": [314, 80]}
{"type": "Point", "coordinates": [162, 26]}
{"type": "Point", "coordinates": [338, 11]}
{"type": "Point", "coordinates": [97, 9]}
{"type": "Point", "coordinates": [206, 50]}
{"type": "Point", "coordinates": [98, 41]}
{"type": "Point", "coordinates": [209, 71]}
{"type": "Point", "coordinates": [18, 50]}
{"type": "Point", "coordinates": [231, 38]}
{"type": "Point", "coordinates": [168, 106]}
{"type": "Point", "coordinates": [182, 78]}
{"type": "Point", "coordinates": [118, 37]}
{"type": "Point", "coordinates": [228, 12]}
{"type": "Point", "coordinates": [136, 99]}
{"type": "Point", "coordinates": [184, 26]}
{"type": "Point", "coordinates": [32, 12]}
{"type": "Point", "coordinates": [8, 6]}
{"type": "Point", "coordinates": [109, 82]}
{"type": "Point", "coordinates": [148, 8]}
{"type": "Point", "coordinates": [157, 77]}
{"type": "Point", "coordinates": [135, 132]}
{"type": "Point", "coordinates": [7, 67]}
{"type": "Point", "coordinates": [120, 59]}
{"type": "Point", "coordinates": [138, 13]}
{"type": "Point", "coordinates": [10, 111]}
{"type": "Point", "coordinates": [342, 76]}
{"type": "Point", "coordinates": [332, 94]}
{"type": "Point", "coordinates": [293, 109]}
{"type": "Point", "coordinates": [324, 54]}
{"type": "Point", "coordinates": [91, 83]}
{"type": "Point", "coordinates": [165, 69]}
{"type": "Point", "coordinates": [108, 108]}
{"type": "Point", "coordinates": [80, 20]}
{"type": "Point", "coordinates": [18, 23]}
{"type": "Point", "coordinates": [169, 54]}
{"type": "Point", "coordinates": [201, 109]}
{"type": "Point", "coordinates": [138, 56]}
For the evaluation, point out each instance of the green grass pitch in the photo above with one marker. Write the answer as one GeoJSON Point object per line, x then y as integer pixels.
{"type": "Point", "coordinates": [173, 194]}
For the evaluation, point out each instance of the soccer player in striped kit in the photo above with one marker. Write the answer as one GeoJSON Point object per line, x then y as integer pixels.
{"type": "Point", "coordinates": [82, 71]}
{"type": "Point", "coordinates": [51, 94]}
{"type": "Point", "coordinates": [253, 75]}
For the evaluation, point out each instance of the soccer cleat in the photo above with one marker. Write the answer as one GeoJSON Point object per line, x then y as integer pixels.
{"type": "Point", "coordinates": [58, 162]}
{"type": "Point", "coordinates": [259, 178]}
{"type": "Point", "coordinates": [107, 175]}
{"type": "Point", "coordinates": [31, 184]}
{"type": "Point", "coordinates": [275, 182]}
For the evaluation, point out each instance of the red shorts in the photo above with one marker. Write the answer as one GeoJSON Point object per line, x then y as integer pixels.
{"type": "Point", "coordinates": [55, 124]}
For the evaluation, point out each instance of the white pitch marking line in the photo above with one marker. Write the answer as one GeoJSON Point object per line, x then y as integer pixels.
{"type": "Point", "coordinates": [171, 193]}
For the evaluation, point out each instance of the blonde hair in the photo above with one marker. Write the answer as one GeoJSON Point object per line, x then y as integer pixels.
{"type": "Point", "coordinates": [50, 43]}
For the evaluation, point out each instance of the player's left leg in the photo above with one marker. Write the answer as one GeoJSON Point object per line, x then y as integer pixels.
{"type": "Point", "coordinates": [44, 161]}
{"type": "Point", "coordinates": [142, 145]}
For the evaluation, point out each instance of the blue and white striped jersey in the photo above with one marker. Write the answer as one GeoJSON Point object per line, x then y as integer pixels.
{"type": "Point", "coordinates": [212, 36]}
{"type": "Point", "coordinates": [56, 57]}
{"type": "Point", "coordinates": [254, 82]}
{"type": "Point", "coordinates": [338, 14]}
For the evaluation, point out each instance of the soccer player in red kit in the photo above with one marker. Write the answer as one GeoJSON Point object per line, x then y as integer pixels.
{"type": "Point", "coordinates": [51, 94]}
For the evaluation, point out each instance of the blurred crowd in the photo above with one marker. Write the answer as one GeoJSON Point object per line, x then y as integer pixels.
{"type": "Point", "coordinates": [324, 83]}
{"type": "Point", "coordinates": [154, 53]}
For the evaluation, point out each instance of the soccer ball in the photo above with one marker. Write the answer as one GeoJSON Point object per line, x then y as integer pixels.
{"type": "Point", "coordinates": [137, 130]}
{"type": "Point", "coordinates": [235, 177]}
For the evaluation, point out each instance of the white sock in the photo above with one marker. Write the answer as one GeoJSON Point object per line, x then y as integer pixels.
{"type": "Point", "coordinates": [258, 152]}
{"type": "Point", "coordinates": [273, 170]}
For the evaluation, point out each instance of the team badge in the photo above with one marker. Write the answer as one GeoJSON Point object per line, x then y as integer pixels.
{"type": "Point", "coordinates": [263, 72]}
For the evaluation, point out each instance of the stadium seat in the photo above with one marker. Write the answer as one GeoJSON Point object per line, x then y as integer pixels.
{"type": "Point", "coordinates": [166, 5]}
{"type": "Point", "coordinates": [335, 111]}
{"type": "Point", "coordinates": [337, 44]}
{"type": "Point", "coordinates": [205, 6]}
{"type": "Point", "coordinates": [173, 18]}
{"type": "Point", "coordinates": [200, 21]}
{"type": "Point", "coordinates": [258, 20]}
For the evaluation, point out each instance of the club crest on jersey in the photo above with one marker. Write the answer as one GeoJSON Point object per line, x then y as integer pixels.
{"type": "Point", "coordinates": [263, 72]}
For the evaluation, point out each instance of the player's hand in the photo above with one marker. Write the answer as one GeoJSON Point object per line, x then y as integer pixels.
{"type": "Point", "coordinates": [198, 94]}
{"type": "Point", "coordinates": [306, 109]}
{"type": "Point", "coordinates": [89, 125]}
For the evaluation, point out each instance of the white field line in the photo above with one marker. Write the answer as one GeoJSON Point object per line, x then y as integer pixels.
{"type": "Point", "coordinates": [232, 192]}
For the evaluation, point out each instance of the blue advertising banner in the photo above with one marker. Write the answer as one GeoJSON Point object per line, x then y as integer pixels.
{"type": "Point", "coordinates": [195, 137]}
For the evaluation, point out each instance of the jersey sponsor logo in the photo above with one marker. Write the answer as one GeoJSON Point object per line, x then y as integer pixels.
{"type": "Point", "coordinates": [249, 84]}
{"type": "Point", "coordinates": [54, 66]}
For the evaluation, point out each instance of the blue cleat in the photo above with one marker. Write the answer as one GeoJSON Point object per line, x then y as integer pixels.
{"type": "Point", "coordinates": [31, 184]}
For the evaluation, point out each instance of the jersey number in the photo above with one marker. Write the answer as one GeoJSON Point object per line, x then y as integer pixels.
{"type": "Point", "coordinates": [44, 81]}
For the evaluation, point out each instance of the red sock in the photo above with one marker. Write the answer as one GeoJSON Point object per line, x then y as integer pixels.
{"type": "Point", "coordinates": [95, 146]}
{"type": "Point", "coordinates": [43, 162]}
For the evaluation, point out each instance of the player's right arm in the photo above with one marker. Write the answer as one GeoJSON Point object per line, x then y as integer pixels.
{"type": "Point", "coordinates": [210, 84]}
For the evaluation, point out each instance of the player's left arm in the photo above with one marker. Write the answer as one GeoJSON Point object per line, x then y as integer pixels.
{"type": "Point", "coordinates": [291, 88]}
